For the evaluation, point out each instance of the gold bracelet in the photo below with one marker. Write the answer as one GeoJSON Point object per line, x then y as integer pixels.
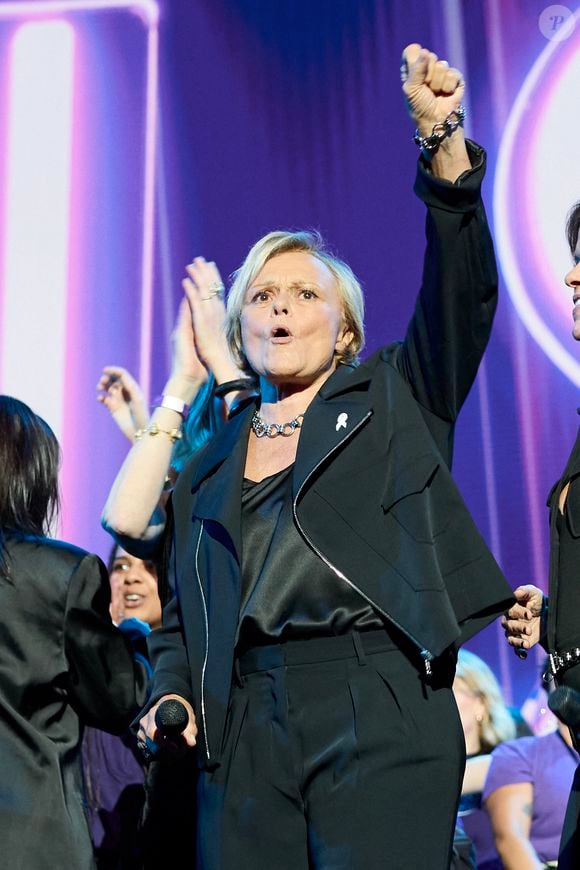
{"type": "Point", "coordinates": [154, 429]}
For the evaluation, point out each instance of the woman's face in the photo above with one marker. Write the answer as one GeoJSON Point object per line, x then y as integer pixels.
{"type": "Point", "coordinates": [472, 711]}
{"type": "Point", "coordinates": [292, 320]}
{"type": "Point", "coordinates": [572, 279]}
{"type": "Point", "coordinates": [134, 590]}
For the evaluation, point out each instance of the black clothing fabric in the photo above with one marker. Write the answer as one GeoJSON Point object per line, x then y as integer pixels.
{"type": "Point", "coordinates": [567, 602]}
{"type": "Point", "coordinates": [400, 532]}
{"type": "Point", "coordinates": [463, 856]}
{"type": "Point", "coordinates": [288, 592]}
{"type": "Point", "coordinates": [563, 630]}
{"type": "Point", "coordinates": [62, 665]}
{"type": "Point", "coordinates": [327, 757]}
{"type": "Point", "coordinates": [563, 615]}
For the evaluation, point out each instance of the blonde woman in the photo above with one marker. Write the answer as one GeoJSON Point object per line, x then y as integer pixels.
{"type": "Point", "coordinates": [324, 564]}
{"type": "Point", "coordinates": [486, 722]}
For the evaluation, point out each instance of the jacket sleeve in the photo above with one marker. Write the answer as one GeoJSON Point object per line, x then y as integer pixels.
{"type": "Point", "coordinates": [167, 651]}
{"type": "Point", "coordinates": [451, 325]}
{"type": "Point", "coordinates": [107, 683]}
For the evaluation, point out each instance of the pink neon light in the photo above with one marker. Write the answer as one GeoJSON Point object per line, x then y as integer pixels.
{"type": "Point", "coordinates": [36, 239]}
{"type": "Point", "coordinates": [28, 8]}
{"type": "Point", "coordinates": [149, 213]}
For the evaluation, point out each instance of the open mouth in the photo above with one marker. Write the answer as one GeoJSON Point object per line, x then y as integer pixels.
{"type": "Point", "coordinates": [280, 334]}
{"type": "Point", "coordinates": [132, 599]}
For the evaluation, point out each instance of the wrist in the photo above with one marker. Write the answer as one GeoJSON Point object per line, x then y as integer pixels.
{"type": "Point", "coordinates": [225, 369]}
{"type": "Point", "coordinates": [182, 387]}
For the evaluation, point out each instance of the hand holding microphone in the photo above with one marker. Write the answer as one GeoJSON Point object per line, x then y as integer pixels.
{"type": "Point", "coordinates": [169, 724]}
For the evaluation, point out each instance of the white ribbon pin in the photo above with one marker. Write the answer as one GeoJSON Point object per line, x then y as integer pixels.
{"type": "Point", "coordinates": [341, 421]}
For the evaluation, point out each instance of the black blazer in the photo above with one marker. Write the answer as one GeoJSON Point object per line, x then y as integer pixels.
{"type": "Point", "coordinates": [62, 664]}
{"type": "Point", "coordinates": [375, 500]}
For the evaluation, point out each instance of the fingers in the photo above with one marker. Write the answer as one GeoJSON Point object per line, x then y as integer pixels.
{"type": "Point", "coordinates": [519, 612]}
{"type": "Point", "coordinates": [530, 597]}
{"type": "Point", "coordinates": [516, 627]}
{"type": "Point", "coordinates": [441, 78]}
{"type": "Point", "coordinates": [148, 730]}
{"type": "Point", "coordinates": [203, 282]}
{"type": "Point", "coordinates": [414, 64]}
{"type": "Point", "coordinates": [117, 376]}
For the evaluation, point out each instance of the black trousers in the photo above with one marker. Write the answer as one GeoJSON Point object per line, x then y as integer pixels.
{"type": "Point", "coordinates": [338, 755]}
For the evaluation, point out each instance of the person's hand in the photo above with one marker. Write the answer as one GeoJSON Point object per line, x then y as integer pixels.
{"type": "Point", "coordinates": [120, 393]}
{"type": "Point", "coordinates": [148, 732]}
{"type": "Point", "coordinates": [186, 362]}
{"type": "Point", "coordinates": [522, 622]}
{"type": "Point", "coordinates": [117, 605]}
{"type": "Point", "coordinates": [205, 291]}
{"type": "Point", "coordinates": [432, 88]}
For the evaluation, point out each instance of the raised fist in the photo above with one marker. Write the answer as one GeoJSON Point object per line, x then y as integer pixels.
{"type": "Point", "coordinates": [432, 88]}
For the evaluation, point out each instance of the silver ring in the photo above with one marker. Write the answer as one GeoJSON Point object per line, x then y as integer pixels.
{"type": "Point", "coordinates": [216, 288]}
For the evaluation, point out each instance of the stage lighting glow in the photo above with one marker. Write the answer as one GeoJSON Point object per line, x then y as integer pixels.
{"type": "Point", "coordinates": [145, 342]}
{"type": "Point", "coordinates": [37, 211]}
{"type": "Point", "coordinates": [535, 185]}
{"type": "Point", "coordinates": [30, 8]}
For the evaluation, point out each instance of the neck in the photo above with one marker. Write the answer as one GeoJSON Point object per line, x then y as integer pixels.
{"type": "Point", "coordinates": [565, 732]}
{"type": "Point", "coordinates": [283, 401]}
{"type": "Point", "coordinates": [472, 744]}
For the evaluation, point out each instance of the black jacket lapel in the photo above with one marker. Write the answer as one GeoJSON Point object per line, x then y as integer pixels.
{"type": "Point", "coordinates": [335, 415]}
{"type": "Point", "coordinates": [218, 497]}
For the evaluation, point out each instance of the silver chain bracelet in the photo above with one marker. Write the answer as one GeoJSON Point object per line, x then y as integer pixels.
{"type": "Point", "coordinates": [440, 131]}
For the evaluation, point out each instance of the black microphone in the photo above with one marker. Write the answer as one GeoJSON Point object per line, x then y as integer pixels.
{"type": "Point", "coordinates": [171, 719]}
{"type": "Point", "coordinates": [564, 702]}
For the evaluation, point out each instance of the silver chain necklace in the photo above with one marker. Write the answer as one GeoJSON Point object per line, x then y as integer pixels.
{"type": "Point", "coordinates": [272, 430]}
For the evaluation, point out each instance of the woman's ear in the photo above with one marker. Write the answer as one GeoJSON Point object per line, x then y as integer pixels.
{"type": "Point", "coordinates": [345, 337]}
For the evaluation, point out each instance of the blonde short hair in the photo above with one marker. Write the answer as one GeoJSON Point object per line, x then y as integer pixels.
{"type": "Point", "coordinates": [498, 724]}
{"type": "Point", "coordinates": [282, 242]}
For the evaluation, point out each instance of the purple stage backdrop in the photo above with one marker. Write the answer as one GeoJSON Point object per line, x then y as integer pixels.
{"type": "Point", "coordinates": [136, 135]}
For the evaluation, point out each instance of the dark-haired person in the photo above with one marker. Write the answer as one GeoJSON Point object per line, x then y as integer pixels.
{"type": "Point", "coordinates": [63, 664]}
{"type": "Point", "coordinates": [324, 564]}
{"type": "Point", "coordinates": [113, 765]}
{"type": "Point", "coordinates": [559, 624]}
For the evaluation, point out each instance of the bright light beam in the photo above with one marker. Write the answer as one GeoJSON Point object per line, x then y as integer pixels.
{"type": "Point", "coordinates": [37, 211]}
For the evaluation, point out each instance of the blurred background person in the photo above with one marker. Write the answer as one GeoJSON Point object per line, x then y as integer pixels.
{"type": "Point", "coordinates": [63, 664]}
{"type": "Point", "coordinates": [525, 795]}
{"type": "Point", "coordinates": [113, 765]}
{"type": "Point", "coordinates": [486, 722]}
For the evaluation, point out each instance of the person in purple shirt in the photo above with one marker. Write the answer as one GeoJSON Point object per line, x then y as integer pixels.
{"type": "Point", "coordinates": [525, 794]}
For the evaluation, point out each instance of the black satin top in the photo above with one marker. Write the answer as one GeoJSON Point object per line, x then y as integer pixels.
{"type": "Point", "coordinates": [288, 592]}
{"type": "Point", "coordinates": [567, 631]}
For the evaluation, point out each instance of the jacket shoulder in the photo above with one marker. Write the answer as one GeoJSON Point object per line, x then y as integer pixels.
{"type": "Point", "coordinates": [52, 552]}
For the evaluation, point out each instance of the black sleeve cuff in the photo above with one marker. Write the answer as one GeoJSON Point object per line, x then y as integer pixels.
{"type": "Point", "coordinates": [462, 195]}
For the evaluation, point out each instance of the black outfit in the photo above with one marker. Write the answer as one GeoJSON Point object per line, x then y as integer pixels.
{"type": "Point", "coordinates": [374, 501]}
{"type": "Point", "coordinates": [563, 630]}
{"type": "Point", "coordinates": [62, 664]}
{"type": "Point", "coordinates": [287, 590]}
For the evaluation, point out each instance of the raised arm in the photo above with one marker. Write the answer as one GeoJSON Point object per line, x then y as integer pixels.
{"type": "Point", "coordinates": [134, 513]}
{"type": "Point", "coordinates": [122, 396]}
{"type": "Point", "coordinates": [453, 316]}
